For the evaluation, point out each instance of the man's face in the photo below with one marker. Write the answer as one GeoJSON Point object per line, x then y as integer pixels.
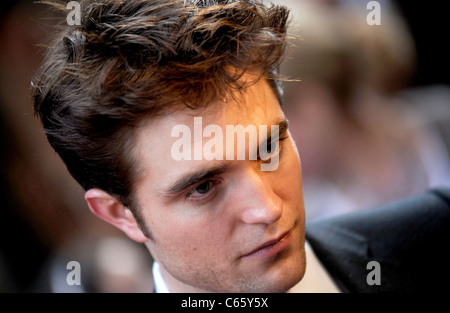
{"type": "Point", "coordinates": [223, 225]}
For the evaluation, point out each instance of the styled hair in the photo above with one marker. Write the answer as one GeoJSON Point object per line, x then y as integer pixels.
{"type": "Point", "coordinates": [132, 60]}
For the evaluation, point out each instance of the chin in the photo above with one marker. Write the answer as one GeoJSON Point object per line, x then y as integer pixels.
{"type": "Point", "coordinates": [289, 275]}
{"type": "Point", "coordinates": [278, 286]}
{"type": "Point", "coordinates": [287, 282]}
{"type": "Point", "coordinates": [278, 281]}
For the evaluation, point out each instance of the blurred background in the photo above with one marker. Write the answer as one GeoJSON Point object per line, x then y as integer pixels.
{"type": "Point", "coordinates": [369, 108]}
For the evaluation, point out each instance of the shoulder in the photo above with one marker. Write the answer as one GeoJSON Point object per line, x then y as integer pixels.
{"type": "Point", "coordinates": [408, 238]}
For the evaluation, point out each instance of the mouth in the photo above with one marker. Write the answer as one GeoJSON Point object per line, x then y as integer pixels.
{"type": "Point", "coordinates": [272, 247]}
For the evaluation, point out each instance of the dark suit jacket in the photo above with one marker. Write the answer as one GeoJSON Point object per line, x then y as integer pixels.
{"type": "Point", "coordinates": [410, 239]}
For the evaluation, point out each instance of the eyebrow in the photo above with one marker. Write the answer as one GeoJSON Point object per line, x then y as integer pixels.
{"type": "Point", "coordinates": [283, 126]}
{"type": "Point", "coordinates": [191, 179]}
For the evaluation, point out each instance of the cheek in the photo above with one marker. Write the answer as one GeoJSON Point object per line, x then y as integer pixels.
{"type": "Point", "coordinates": [187, 236]}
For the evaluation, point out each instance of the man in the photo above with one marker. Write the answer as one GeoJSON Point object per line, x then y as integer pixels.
{"type": "Point", "coordinates": [120, 96]}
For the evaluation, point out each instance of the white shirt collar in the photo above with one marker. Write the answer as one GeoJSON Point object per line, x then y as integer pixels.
{"type": "Point", "coordinates": [160, 285]}
{"type": "Point", "coordinates": [315, 280]}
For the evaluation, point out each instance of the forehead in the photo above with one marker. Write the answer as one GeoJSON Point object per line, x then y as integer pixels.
{"type": "Point", "coordinates": [257, 105]}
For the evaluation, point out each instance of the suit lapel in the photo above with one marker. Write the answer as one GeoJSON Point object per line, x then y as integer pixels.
{"type": "Point", "coordinates": [344, 253]}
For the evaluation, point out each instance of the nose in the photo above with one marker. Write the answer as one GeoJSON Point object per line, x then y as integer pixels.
{"type": "Point", "coordinates": [260, 204]}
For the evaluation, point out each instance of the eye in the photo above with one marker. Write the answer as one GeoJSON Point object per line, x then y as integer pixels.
{"type": "Point", "coordinates": [203, 192]}
{"type": "Point", "coordinates": [270, 152]}
{"type": "Point", "coordinates": [269, 145]}
{"type": "Point", "coordinates": [204, 187]}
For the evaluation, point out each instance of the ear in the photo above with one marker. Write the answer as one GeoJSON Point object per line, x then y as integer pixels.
{"type": "Point", "coordinates": [106, 207]}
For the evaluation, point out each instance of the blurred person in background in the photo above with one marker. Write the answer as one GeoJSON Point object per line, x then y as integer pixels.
{"type": "Point", "coordinates": [45, 221]}
{"type": "Point", "coordinates": [361, 144]}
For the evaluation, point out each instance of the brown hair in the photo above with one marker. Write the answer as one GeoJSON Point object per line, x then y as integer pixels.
{"type": "Point", "coordinates": [131, 60]}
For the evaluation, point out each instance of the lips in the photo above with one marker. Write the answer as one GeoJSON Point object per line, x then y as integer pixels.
{"type": "Point", "coordinates": [271, 247]}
